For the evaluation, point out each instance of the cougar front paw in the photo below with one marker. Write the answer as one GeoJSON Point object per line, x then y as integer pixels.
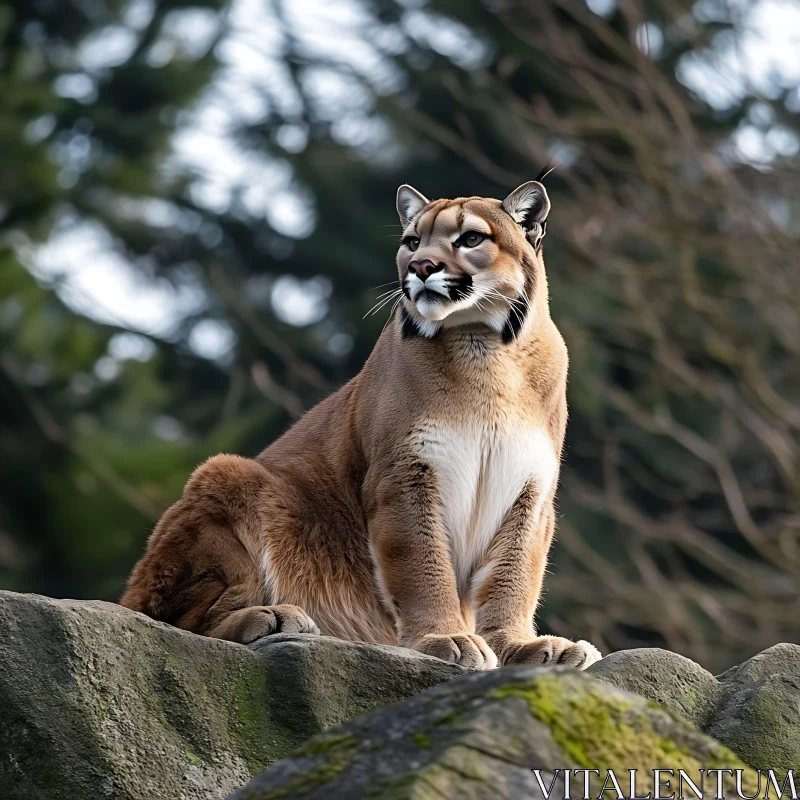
{"type": "Point", "coordinates": [551, 651]}
{"type": "Point", "coordinates": [466, 649]}
{"type": "Point", "coordinates": [248, 624]}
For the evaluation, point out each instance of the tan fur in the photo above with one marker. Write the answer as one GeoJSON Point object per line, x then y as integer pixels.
{"type": "Point", "coordinates": [415, 505]}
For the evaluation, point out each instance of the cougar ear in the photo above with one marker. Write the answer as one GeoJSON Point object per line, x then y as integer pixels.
{"type": "Point", "coordinates": [528, 205]}
{"type": "Point", "coordinates": [409, 202]}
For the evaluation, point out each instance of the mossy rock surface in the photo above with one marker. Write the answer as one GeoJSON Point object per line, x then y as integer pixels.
{"type": "Point", "coordinates": [754, 708]}
{"type": "Point", "coordinates": [758, 715]}
{"type": "Point", "coordinates": [321, 681]}
{"type": "Point", "coordinates": [669, 679]}
{"type": "Point", "coordinates": [97, 702]}
{"type": "Point", "coordinates": [100, 703]}
{"type": "Point", "coordinates": [482, 735]}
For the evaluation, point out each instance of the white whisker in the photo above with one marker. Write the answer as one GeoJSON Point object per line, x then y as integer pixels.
{"type": "Point", "coordinates": [391, 313]}
{"type": "Point", "coordinates": [380, 285]}
{"type": "Point", "coordinates": [387, 301]}
{"type": "Point", "coordinates": [381, 303]}
{"type": "Point", "coordinates": [512, 303]}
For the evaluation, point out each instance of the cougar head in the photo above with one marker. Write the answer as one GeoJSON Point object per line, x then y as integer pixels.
{"type": "Point", "coordinates": [470, 260]}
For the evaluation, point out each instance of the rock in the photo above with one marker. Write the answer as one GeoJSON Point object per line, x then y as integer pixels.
{"type": "Point", "coordinates": [754, 709]}
{"type": "Point", "coordinates": [675, 682]}
{"type": "Point", "coordinates": [322, 681]}
{"type": "Point", "coordinates": [480, 736]}
{"type": "Point", "coordinates": [759, 714]}
{"type": "Point", "coordinates": [99, 702]}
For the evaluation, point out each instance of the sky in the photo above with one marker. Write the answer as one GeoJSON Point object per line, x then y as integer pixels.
{"type": "Point", "coordinates": [94, 279]}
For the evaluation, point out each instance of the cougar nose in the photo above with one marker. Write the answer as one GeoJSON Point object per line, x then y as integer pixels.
{"type": "Point", "coordinates": [424, 268]}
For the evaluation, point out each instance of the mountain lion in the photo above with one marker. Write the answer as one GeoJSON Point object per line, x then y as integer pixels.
{"type": "Point", "coordinates": [415, 506]}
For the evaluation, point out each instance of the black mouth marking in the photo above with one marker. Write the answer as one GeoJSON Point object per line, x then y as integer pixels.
{"type": "Point", "coordinates": [515, 320]}
{"type": "Point", "coordinates": [517, 315]}
{"type": "Point", "coordinates": [460, 288]}
{"type": "Point", "coordinates": [408, 328]}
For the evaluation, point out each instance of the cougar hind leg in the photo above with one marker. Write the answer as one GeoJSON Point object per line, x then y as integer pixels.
{"type": "Point", "coordinates": [201, 568]}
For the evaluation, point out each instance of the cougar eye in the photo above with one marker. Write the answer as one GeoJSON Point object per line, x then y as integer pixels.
{"type": "Point", "coordinates": [470, 239]}
{"type": "Point", "coordinates": [412, 243]}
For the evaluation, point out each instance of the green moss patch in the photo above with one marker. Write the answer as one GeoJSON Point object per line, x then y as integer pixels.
{"type": "Point", "coordinates": [249, 721]}
{"type": "Point", "coordinates": [596, 730]}
{"type": "Point", "coordinates": [329, 757]}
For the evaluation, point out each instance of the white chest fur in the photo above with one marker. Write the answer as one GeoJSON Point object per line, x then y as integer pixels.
{"type": "Point", "coordinates": [480, 471]}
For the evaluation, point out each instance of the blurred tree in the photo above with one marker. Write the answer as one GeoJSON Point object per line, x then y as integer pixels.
{"type": "Point", "coordinates": [85, 122]}
{"type": "Point", "coordinates": [670, 258]}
